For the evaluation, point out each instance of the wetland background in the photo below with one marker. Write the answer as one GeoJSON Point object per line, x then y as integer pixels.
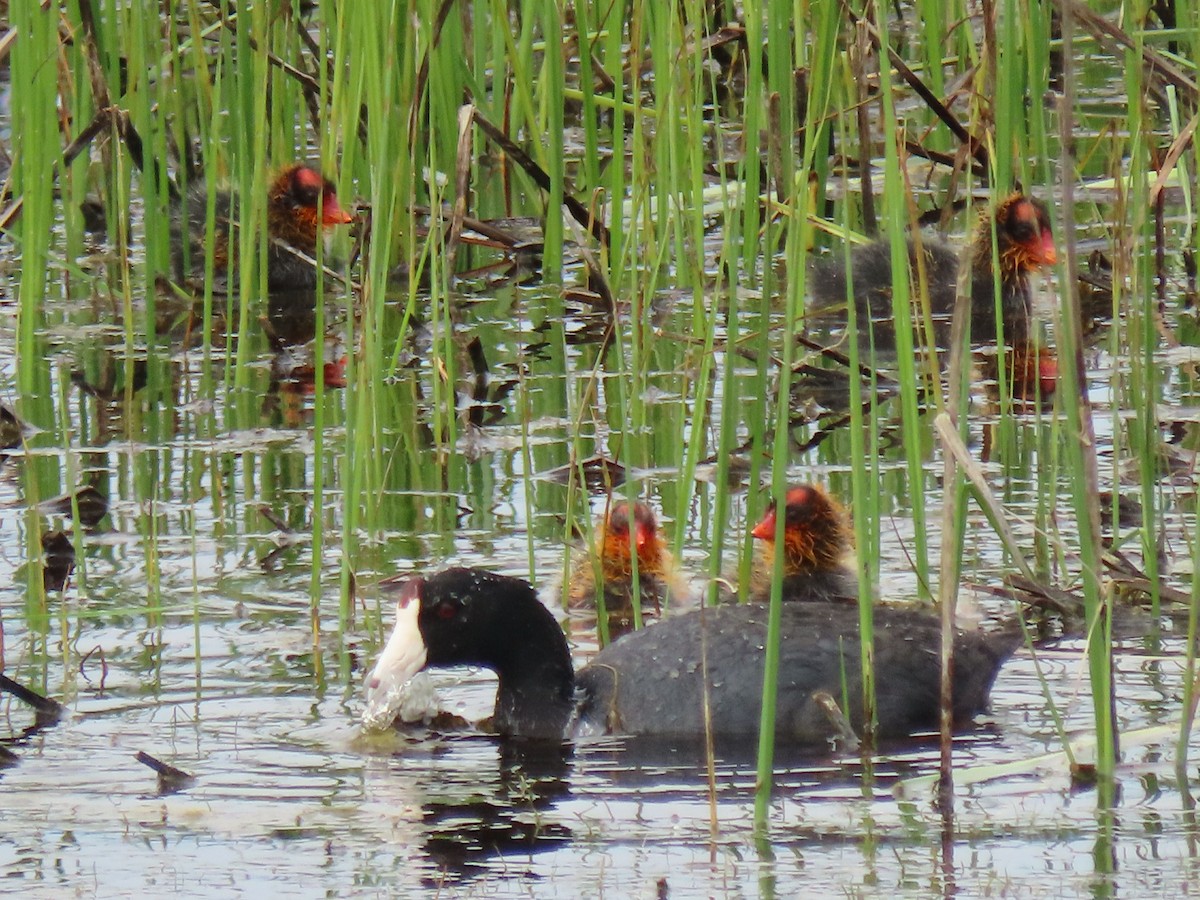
{"type": "Point", "coordinates": [208, 599]}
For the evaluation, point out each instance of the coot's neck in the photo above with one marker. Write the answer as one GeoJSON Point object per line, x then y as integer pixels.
{"type": "Point", "coordinates": [1014, 278]}
{"type": "Point", "coordinates": [840, 583]}
{"type": "Point", "coordinates": [807, 561]}
{"type": "Point", "coordinates": [295, 226]}
{"type": "Point", "coordinates": [536, 696]}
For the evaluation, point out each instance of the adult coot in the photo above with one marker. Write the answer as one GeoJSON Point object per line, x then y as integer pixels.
{"type": "Point", "coordinates": [624, 533]}
{"type": "Point", "coordinates": [292, 220]}
{"type": "Point", "coordinates": [1024, 244]}
{"type": "Point", "coordinates": [654, 681]}
{"type": "Point", "coordinates": [817, 540]}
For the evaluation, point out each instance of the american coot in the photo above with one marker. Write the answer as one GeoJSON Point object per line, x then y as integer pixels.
{"type": "Point", "coordinates": [817, 539]}
{"type": "Point", "coordinates": [652, 682]}
{"type": "Point", "coordinates": [1024, 243]}
{"type": "Point", "coordinates": [292, 218]}
{"type": "Point", "coordinates": [659, 578]}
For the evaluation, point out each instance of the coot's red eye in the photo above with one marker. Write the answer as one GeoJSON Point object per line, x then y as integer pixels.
{"type": "Point", "coordinates": [446, 610]}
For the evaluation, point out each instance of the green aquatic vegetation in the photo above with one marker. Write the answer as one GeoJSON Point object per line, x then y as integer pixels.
{"type": "Point", "coordinates": [715, 175]}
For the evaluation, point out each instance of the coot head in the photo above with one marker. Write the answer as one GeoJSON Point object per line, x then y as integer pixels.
{"type": "Point", "coordinates": [626, 532]}
{"type": "Point", "coordinates": [817, 544]}
{"type": "Point", "coordinates": [620, 540]}
{"type": "Point", "coordinates": [476, 617]}
{"type": "Point", "coordinates": [294, 197]}
{"type": "Point", "coordinates": [301, 201]}
{"type": "Point", "coordinates": [1024, 235]}
{"type": "Point", "coordinates": [816, 529]}
{"type": "Point", "coordinates": [1024, 244]}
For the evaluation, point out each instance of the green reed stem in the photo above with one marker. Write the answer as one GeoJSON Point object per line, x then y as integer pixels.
{"type": "Point", "coordinates": [1081, 449]}
{"type": "Point", "coordinates": [799, 236]}
{"type": "Point", "coordinates": [554, 130]}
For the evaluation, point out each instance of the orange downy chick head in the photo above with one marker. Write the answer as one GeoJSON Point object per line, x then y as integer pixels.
{"type": "Point", "coordinates": [292, 205]}
{"type": "Point", "coordinates": [1023, 229]}
{"type": "Point", "coordinates": [816, 529]}
{"type": "Point", "coordinates": [618, 544]}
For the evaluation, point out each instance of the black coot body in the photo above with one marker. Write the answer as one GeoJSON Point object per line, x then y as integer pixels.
{"type": "Point", "coordinates": [652, 682]}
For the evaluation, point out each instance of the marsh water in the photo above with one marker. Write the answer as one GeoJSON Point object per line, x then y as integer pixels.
{"type": "Point", "coordinates": [186, 628]}
{"type": "Point", "coordinates": [186, 631]}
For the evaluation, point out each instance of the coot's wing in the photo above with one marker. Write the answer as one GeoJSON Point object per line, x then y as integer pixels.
{"type": "Point", "coordinates": [652, 682]}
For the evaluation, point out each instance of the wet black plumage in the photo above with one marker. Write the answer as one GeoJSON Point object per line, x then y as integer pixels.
{"type": "Point", "coordinates": [651, 682]}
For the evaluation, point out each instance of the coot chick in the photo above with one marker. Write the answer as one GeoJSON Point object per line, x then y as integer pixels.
{"type": "Point", "coordinates": [652, 682]}
{"type": "Point", "coordinates": [817, 539]}
{"type": "Point", "coordinates": [659, 579]}
{"type": "Point", "coordinates": [1024, 243]}
{"type": "Point", "coordinates": [292, 220]}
